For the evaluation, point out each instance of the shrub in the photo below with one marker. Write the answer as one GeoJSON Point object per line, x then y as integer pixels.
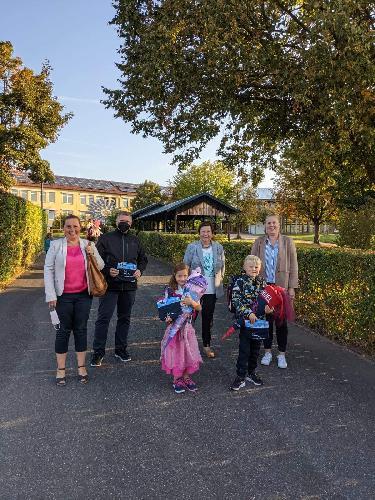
{"type": "Point", "coordinates": [356, 228]}
{"type": "Point", "coordinates": [22, 230]}
{"type": "Point", "coordinates": [337, 286]}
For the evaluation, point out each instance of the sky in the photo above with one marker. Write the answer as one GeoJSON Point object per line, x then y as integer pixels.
{"type": "Point", "coordinates": [76, 39]}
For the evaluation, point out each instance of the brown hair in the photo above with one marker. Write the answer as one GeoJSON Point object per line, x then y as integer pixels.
{"type": "Point", "coordinates": [71, 216]}
{"type": "Point", "coordinates": [206, 223]}
{"type": "Point", "coordinates": [178, 267]}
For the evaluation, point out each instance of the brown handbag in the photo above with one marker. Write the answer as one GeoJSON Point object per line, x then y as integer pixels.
{"type": "Point", "coordinates": [97, 282]}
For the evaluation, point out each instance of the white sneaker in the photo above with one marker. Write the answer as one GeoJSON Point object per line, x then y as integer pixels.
{"type": "Point", "coordinates": [281, 361]}
{"type": "Point", "coordinates": [267, 358]}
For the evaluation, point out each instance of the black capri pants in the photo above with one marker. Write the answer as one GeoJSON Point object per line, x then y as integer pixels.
{"type": "Point", "coordinates": [73, 310]}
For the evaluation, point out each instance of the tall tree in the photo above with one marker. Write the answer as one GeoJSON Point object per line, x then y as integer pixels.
{"type": "Point", "coordinates": [210, 177]}
{"type": "Point", "coordinates": [271, 77]}
{"type": "Point", "coordinates": [147, 193]}
{"type": "Point", "coordinates": [305, 192]}
{"type": "Point", "coordinates": [30, 117]}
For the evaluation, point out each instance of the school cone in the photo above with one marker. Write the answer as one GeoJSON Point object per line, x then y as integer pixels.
{"type": "Point", "coordinates": [228, 333]}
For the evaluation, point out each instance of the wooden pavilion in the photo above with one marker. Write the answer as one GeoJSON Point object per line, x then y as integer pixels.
{"type": "Point", "coordinates": [179, 216]}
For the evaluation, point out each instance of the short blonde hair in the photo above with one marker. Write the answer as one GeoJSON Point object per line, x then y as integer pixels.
{"type": "Point", "coordinates": [252, 259]}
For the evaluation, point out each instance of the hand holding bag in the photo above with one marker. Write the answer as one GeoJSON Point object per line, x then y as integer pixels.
{"type": "Point", "coordinates": [97, 282]}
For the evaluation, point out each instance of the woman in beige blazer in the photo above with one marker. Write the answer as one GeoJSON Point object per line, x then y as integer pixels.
{"type": "Point", "coordinates": [68, 290]}
{"type": "Point", "coordinates": [279, 266]}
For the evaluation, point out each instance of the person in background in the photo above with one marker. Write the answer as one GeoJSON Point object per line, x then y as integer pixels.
{"type": "Point", "coordinates": [209, 256]}
{"type": "Point", "coordinates": [67, 289]}
{"type": "Point", "coordinates": [47, 241]}
{"type": "Point", "coordinates": [280, 267]}
{"type": "Point", "coordinates": [125, 261]}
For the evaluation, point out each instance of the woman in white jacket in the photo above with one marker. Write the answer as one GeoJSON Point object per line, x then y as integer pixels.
{"type": "Point", "coordinates": [67, 289]}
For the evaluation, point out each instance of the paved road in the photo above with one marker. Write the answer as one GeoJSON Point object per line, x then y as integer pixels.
{"type": "Point", "coordinates": [306, 434]}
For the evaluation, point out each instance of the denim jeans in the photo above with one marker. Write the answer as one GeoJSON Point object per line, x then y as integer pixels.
{"type": "Point", "coordinates": [73, 310]}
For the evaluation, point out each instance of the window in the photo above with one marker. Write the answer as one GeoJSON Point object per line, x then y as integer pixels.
{"type": "Point", "coordinates": [51, 197]}
{"type": "Point", "coordinates": [44, 196]}
{"type": "Point", "coordinates": [114, 201]}
{"type": "Point", "coordinates": [67, 198]}
{"type": "Point", "coordinates": [24, 195]}
{"type": "Point", "coordinates": [14, 191]}
{"type": "Point", "coordinates": [83, 199]}
{"type": "Point", "coordinates": [33, 195]}
{"type": "Point", "coordinates": [125, 202]}
{"type": "Point", "coordinates": [51, 214]}
{"type": "Point", "coordinates": [91, 200]}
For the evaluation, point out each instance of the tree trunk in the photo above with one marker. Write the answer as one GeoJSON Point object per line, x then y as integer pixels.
{"type": "Point", "coordinates": [316, 233]}
{"type": "Point", "coordinates": [239, 231]}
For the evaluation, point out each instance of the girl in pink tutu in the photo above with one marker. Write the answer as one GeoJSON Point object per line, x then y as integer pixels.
{"type": "Point", "coordinates": [181, 357]}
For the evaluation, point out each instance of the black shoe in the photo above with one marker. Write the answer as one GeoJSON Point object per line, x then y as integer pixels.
{"type": "Point", "coordinates": [123, 356]}
{"type": "Point", "coordinates": [96, 359]}
{"type": "Point", "coordinates": [254, 379]}
{"type": "Point", "coordinates": [238, 383]}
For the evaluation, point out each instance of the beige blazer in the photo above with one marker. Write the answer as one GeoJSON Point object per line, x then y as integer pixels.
{"type": "Point", "coordinates": [54, 266]}
{"type": "Point", "coordinates": [286, 266]}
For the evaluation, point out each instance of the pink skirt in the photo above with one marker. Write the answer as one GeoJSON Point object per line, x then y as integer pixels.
{"type": "Point", "coordinates": [182, 353]}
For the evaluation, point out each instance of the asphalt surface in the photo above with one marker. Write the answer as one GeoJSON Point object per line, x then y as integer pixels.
{"type": "Point", "coordinates": [308, 433]}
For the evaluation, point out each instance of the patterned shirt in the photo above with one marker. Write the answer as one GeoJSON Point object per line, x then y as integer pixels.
{"type": "Point", "coordinates": [271, 260]}
{"type": "Point", "coordinates": [245, 293]}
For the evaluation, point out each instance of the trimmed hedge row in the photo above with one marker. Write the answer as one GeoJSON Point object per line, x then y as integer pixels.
{"type": "Point", "coordinates": [337, 286]}
{"type": "Point", "coordinates": [22, 229]}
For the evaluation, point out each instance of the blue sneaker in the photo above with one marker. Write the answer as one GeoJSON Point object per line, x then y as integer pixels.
{"type": "Point", "coordinates": [190, 384]}
{"type": "Point", "coordinates": [179, 386]}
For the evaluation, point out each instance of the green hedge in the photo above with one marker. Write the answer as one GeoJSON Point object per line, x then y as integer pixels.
{"type": "Point", "coordinates": [22, 229]}
{"type": "Point", "coordinates": [337, 286]}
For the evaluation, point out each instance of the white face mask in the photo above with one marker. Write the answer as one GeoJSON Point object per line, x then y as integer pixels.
{"type": "Point", "coordinates": [54, 319]}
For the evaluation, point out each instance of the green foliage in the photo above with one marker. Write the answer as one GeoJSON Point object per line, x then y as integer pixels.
{"type": "Point", "coordinates": [110, 220]}
{"type": "Point", "coordinates": [209, 177]}
{"type": "Point", "coordinates": [147, 193]}
{"type": "Point", "coordinates": [30, 118]}
{"type": "Point", "coordinates": [357, 228]}
{"type": "Point", "coordinates": [337, 287]}
{"type": "Point", "coordinates": [303, 191]}
{"type": "Point", "coordinates": [22, 230]}
{"type": "Point", "coordinates": [337, 295]}
{"type": "Point", "coordinates": [58, 222]}
{"type": "Point", "coordinates": [273, 79]}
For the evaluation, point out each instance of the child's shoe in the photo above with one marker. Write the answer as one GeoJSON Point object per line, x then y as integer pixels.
{"type": "Point", "coordinates": [179, 386]}
{"type": "Point", "coordinates": [190, 384]}
{"type": "Point", "coordinates": [254, 379]}
{"type": "Point", "coordinates": [281, 361]}
{"type": "Point", "coordinates": [238, 383]}
{"type": "Point", "coordinates": [266, 360]}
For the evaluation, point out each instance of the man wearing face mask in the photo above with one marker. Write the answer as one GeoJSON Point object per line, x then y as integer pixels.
{"type": "Point", "coordinates": [125, 261]}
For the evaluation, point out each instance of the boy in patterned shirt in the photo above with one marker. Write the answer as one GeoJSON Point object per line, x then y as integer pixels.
{"type": "Point", "coordinates": [246, 290]}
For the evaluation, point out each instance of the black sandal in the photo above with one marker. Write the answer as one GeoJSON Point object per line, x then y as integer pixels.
{"type": "Point", "coordinates": [83, 379]}
{"type": "Point", "coordinates": [60, 381]}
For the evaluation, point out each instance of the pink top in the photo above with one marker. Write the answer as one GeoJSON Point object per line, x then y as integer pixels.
{"type": "Point", "coordinates": [75, 271]}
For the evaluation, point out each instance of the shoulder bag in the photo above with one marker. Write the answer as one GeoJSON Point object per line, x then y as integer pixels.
{"type": "Point", "coordinates": [97, 282]}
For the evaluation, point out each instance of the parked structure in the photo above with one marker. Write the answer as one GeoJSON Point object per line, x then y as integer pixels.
{"type": "Point", "coordinates": [180, 215]}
